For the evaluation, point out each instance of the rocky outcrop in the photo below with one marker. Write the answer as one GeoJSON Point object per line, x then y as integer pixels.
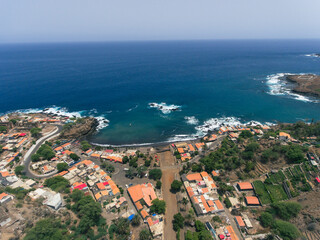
{"type": "Point", "coordinates": [82, 128]}
{"type": "Point", "coordinates": [306, 84]}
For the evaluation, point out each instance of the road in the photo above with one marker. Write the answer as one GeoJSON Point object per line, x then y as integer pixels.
{"type": "Point", "coordinates": [170, 172]}
{"type": "Point", "coordinates": [34, 148]}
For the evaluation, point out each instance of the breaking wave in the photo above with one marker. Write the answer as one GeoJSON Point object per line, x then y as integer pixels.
{"type": "Point", "coordinates": [62, 111]}
{"type": "Point", "coordinates": [191, 120]}
{"type": "Point", "coordinates": [278, 86]}
{"type": "Point", "coordinates": [165, 108]}
{"type": "Point", "coordinates": [316, 55]}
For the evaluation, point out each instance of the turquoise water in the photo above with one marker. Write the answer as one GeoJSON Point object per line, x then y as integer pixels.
{"type": "Point", "coordinates": [117, 81]}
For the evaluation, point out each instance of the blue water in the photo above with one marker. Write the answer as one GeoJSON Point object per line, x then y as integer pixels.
{"type": "Point", "coordinates": [208, 79]}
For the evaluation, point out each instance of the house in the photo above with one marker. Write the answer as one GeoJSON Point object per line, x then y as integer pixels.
{"type": "Point", "coordinates": [244, 186]}
{"type": "Point", "coordinates": [4, 198]}
{"type": "Point", "coordinates": [284, 136]}
{"type": "Point", "coordinates": [239, 221]}
{"type": "Point", "coordinates": [252, 201]}
{"type": "Point", "coordinates": [54, 201]}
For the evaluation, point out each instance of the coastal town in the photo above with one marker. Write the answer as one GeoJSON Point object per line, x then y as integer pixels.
{"type": "Point", "coordinates": [237, 183]}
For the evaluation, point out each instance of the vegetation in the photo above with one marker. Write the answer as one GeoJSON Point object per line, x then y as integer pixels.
{"type": "Point", "coordinates": [45, 152]}
{"type": "Point", "coordinates": [47, 229]}
{"type": "Point", "coordinates": [158, 206]}
{"type": "Point", "coordinates": [158, 185]}
{"type": "Point", "coordinates": [85, 145]}
{"type": "Point", "coordinates": [35, 132]}
{"type": "Point", "coordinates": [136, 220]}
{"type": "Point", "coordinates": [145, 234]}
{"type": "Point", "coordinates": [176, 186]}
{"type": "Point", "coordinates": [74, 157]}
{"type": "Point", "coordinates": [3, 129]}
{"type": "Point", "coordinates": [201, 232]}
{"type": "Point", "coordinates": [108, 167]}
{"type": "Point", "coordinates": [62, 167]}
{"type": "Point", "coordinates": [284, 211]}
{"type": "Point", "coordinates": [121, 228]}
{"type": "Point", "coordinates": [58, 184]}
{"type": "Point", "coordinates": [88, 210]}
{"type": "Point", "coordinates": [155, 174]}
{"type": "Point", "coordinates": [227, 202]}
{"type": "Point", "coordinates": [177, 222]}
{"type": "Point", "coordinates": [19, 170]}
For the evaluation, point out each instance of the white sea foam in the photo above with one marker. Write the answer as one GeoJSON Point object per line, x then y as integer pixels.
{"type": "Point", "coordinates": [191, 120]}
{"type": "Point", "coordinates": [165, 108]}
{"type": "Point", "coordinates": [130, 109]}
{"type": "Point", "coordinates": [316, 55]}
{"type": "Point", "coordinates": [63, 112]}
{"type": "Point", "coordinates": [278, 86]}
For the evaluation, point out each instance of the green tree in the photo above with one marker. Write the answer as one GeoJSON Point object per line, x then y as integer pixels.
{"type": "Point", "coordinates": [177, 222]}
{"type": "Point", "coordinates": [62, 167]}
{"type": "Point", "coordinates": [145, 234]}
{"type": "Point", "coordinates": [35, 132]}
{"type": "Point", "coordinates": [74, 157]}
{"type": "Point", "coordinates": [158, 185]}
{"type": "Point", "coordinates": [227, 202]}
{"type": "Point", "coordinates": [18, 170]}
{"type": "Point", "coordinates": [286, 230]}
{"type": "Point", "coordinates": [158, 206]}
{"type": "Point", "coordinates": [35, 157]}
{"type": "Point", "coordinates": [46, 229]}
{"type": "Point", "coordinates": [246, 134]}
{"type": "Point", "coordinates": [3, 129]}
{"type": "Point", "coordinates": [76, 195]}
{"type": "Point", "coordinates": [175, 186]}
{"type": "Point", "coordinates": [266, 219]}
{"type": "Point", "coordinates": [58, 183]}
{"type": "Point", "coordinates": [136, 220]}
{"type": "Point", "coordinates": [125, 159]}
{"type": "Point", "coordinates": [155, 174]}
{"type": "Point", "coordinates": [85, 145]}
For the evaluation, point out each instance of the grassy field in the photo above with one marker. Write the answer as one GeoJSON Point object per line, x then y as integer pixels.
{"type": "Point", "coordinates": [278, 177]}
{"type": "Point", "coordinates": [277, 192]}
{"type": "Point", "coordinates": [262, 192]}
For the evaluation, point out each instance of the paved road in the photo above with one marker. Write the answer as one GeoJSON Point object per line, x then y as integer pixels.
{"type": "Point", "coordinates": [34, 148]}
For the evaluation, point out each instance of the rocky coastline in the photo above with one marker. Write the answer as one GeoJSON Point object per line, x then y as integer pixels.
{"type": "Point", "coordinates": [307, 84]}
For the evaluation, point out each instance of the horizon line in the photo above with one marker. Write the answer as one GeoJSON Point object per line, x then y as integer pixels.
{"type": "Point", "coordinates": [154, 40]}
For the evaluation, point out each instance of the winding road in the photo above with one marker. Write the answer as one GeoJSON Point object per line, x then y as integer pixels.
{"type": "Point", "coordinates": [34, 148]}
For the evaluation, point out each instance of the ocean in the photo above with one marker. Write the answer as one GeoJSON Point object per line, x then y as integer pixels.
{"type": "Point", "coordinates": [195, 86]}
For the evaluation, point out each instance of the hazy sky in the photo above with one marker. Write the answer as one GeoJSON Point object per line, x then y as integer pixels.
{"type": "Point", "coordinates": [109, 20]}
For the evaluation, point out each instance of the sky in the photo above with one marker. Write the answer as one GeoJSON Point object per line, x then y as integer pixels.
{"type": "Point", "coordinates": [131, 20]}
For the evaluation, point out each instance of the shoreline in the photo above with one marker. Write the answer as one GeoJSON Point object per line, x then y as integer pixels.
{"type": "Point", "coordinates": [308, 84]}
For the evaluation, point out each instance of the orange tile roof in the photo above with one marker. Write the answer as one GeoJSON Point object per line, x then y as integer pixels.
{"type": "Point", "coordinates": [204, 202]}
{"type": "Point", "coordinates": [144, 214]}
{"type": "Point", "coordinates": [101, 186]}
{"type": "Point", "coordinates": [232, 233]}
{"type": "Point", "coordinates": [98, 195]}
{"type": "Point", "coordinates": [214, 173]}
{"type": "Point", "coordinates": [240, 221]}
{"type": "Point", "coordinates": [245, 186]}
{"type": "Point", "coordinates": [96, 155]}
{"type": "Point", "coordinates": [195, 200]}
{"type": "Point", "coordinates": [251, 200]}
{"type": "Point", "coordinates": [62, 173]}
{"type": "Point", "coordinates": [213, 185]}
{"type": "Point", "coordinates": [191, 148]}
{"type": "Point", "coordinates": [283, 134]}
{"type": "Point", "coordinates": [4, 173]}
{"type": "Point", "coordinates": [210, 202]}
{"type": "Point", "coordinates": [218, 204]}
{"type": "Point", "coordinates": [115, 191]}
{"type": "Point", "coordinates": [150, 222]}
{"type": "Point", "coordinates": [2, 195]}
{"type": "Point", "coordinates": [205, 190]}
{"type": "Point", "coordinates": [138, 205]}
{"type": "Point", "coordinates": [204, 174]}
{"type": "Point", "coordinates": [104, 193]}
{"type": "Point", "coordinates": [194, 177]}
{"type": "Point", "coordinates": [135, 192]}
{"type": "Point", "coordinates": [180, 150]}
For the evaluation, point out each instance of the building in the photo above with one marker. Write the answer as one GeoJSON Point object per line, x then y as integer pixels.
{"type": "Point", "coordinates": [252, 201]}
{"type": "Point", "coordinates": [244, 186]}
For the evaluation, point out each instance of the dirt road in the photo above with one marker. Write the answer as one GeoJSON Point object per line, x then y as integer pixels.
{"type": "Point", "coordinates": [170, 171]}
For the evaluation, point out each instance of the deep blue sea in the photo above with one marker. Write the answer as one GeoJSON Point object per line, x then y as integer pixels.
{"type": "Point", "coordinates": [208, 81]}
